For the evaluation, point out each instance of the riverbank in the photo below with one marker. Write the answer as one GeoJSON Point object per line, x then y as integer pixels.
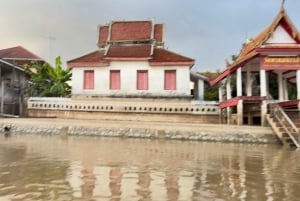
{"type": "Point", "coordinates": [152, 130]}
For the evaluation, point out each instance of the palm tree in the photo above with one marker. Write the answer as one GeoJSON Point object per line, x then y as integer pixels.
{"type": "Point", "coordinates": [46, 81]}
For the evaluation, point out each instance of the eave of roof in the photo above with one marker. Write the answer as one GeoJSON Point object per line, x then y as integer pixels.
{"type": "Point", "coordinates": [165, 57]}
{"type": "Point", "coordinates": [18, 53]}
{"type": "Point", "coordinates": [12, 65]}
{"type": "Point", "coordinates": [196, 75]}
{"type": "Point", "coordinates": [160, 57]}
{"type": "Point", "coordinates": [92, 59]}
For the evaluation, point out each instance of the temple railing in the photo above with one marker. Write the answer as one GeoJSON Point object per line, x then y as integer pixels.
{"type": "Point", "coordinates": [122, 106]}
{"type": "Point", "coordinates": [285, 123]}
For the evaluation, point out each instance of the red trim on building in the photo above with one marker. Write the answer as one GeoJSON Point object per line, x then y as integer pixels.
{"type": "Point", "coordinates": [171, 63]}
{"type": "Point", "coordinates": [127, 59]}
{"type": "Point", "coordinates": [280, 62]}
{"type": "Point", "coordinates": [88, 64]}
{"type": "Point", "coordinates": [246, 99]}
{"type": "Point", "coordinates": [278, 49]}
{"type": "Point", "coordinates": [231, 70]}
{"type": "Point", "coordinates": [287, 104]}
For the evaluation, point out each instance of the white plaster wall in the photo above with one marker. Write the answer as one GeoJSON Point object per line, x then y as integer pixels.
{"type": "Point", "coordinates": [128, 71]}
{"type": "Point", "coordinates": [281, 36]}
{"type": "Point", "coordinates": [200, 90]}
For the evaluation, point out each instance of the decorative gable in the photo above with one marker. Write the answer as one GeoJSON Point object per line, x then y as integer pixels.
{"type": "Point", "coordinates": [281, 36]}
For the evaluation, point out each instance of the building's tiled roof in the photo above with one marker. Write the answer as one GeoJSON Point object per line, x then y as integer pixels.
{"type": "Point", "coordinates": [129, 52]}
{"type": "Point", "coordinates": [134, 41]}
{"type": "Point", "coordinates": [131, 30]}
{"type": "Point", "coordinates": [103, 35]}
{"type": "Point", "coordinates": [160, 56]}
{"type": "Point", "coordinates": [95, 58]}
{"type": "Point", "coordinates": [18, 53]}
{"type": "Point", "coordinates": [158, 32]}
{"type": "Point", "coordinates": [163, 56]}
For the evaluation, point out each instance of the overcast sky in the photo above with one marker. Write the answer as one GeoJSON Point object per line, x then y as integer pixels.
{"type": "Point", "coordinates": [208, 31]}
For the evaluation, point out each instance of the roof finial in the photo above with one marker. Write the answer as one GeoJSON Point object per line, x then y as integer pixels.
{"type": "Point", "coordinates": [282, 4]}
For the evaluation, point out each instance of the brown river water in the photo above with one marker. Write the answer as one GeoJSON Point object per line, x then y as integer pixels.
{"type": "Point", "coordinates": [87, 168]}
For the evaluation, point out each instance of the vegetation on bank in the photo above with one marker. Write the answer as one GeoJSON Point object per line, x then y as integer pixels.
{"type": "Point", "coordinates": [48, 81]}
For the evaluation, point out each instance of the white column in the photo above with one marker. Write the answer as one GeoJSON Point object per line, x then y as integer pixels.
{"type": "Point", "coordinates": [240, 112]}
{"type": "Point", "coordinates": [220, 93]}
{"type": "Point", "coordinates": [267, 84]}
{"type": "Point", "coordinates": [228, 88]}
{"type": "Point", "coordinates": [200, 89]}
{"type": "Point", "coordinates": [239, 89]}
{"type": "Point", "coordinates": [249, 82]}
{"type": "Point", "coordinates": [285, 90]}
{"type": "Point", "coordinates": [298, 86]}
{"type": "Point", "coordinates": [263, 83]}
{"type": "Point", "coordinates": [2, 91]}
{"type": "Point", "coordinates": [280, 87]}
{"type": "Point", "coordinates": [228, 96]}
{"type": "Point", "coordinates": [264, 111]}
{"type": "Point", "coordinates": [298, 83]}
{"type": "Point", "coordinates": [263, 92]}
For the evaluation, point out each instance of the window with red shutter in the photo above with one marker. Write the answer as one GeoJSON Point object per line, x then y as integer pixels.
{"type": "Point", "coordinates": [88, 81]}
{"type": "Point", "coordinates": [142, 80]}
{"type": "Point", "coordinates": [115, 79]}
{"type": "Point", "coordinates": [170, 79]}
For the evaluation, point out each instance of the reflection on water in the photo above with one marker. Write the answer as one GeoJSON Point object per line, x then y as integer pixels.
{"type": "Point", "coordinates": [84, 168]}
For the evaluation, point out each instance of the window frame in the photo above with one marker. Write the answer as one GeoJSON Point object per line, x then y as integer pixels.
{"type": "Point", "coordinates": [142, 83]}
{"type": "Point", "coordinates": [88, 83]}
{"type": "Point", "coordinates": [112, 84]}
{"type": "Point", "coordinates": [170, 80]}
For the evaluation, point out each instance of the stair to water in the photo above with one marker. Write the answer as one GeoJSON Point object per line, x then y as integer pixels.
{"type": "Point", "coordinates": [284, 128]}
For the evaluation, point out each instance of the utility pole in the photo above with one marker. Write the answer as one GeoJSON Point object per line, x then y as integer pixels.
{"type": "Point", "coordinates": [51, 41]}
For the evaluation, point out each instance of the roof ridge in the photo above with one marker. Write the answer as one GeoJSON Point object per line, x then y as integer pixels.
{"type": "Point", "coordinates": [265, 35]}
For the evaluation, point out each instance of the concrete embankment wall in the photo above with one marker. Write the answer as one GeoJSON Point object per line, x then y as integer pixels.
{"type": "Point", "coordinates": [153, 130]}
{"type": "Point", "coordinates": [145, 110]}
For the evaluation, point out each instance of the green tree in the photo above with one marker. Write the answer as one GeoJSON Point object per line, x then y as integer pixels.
{"type": "Point", "coordinates": [211, 93]}
{"type": "Point", "coordinates": [46, 81]}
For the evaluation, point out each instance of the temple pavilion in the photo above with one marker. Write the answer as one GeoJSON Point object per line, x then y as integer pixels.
{"type": "Point", "coordinates": [266, 70]}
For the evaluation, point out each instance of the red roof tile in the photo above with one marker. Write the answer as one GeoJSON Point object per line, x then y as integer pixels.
{"type": "Point", "coordinates": [132, 40]}
{"type": "Point", "coordinates": [131, 30]}
{"type": "Point", "coordinates": [160, 57]}
{"type": "Point", "coordinates": [18, 53]}
{"type": "Point", "coordinates": [92, 59]}
{"type": "Point", "coordinates": [103, 35]}
{"type": "Point", "coordinates": [158, 32]}
{"type": "Point", "coordinates": [165, 57]}
{"type": "Point", "coordinates": [129, 52]}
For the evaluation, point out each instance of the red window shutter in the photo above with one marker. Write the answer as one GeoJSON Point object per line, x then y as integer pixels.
{"type": "Point", "coordinates": [170, 80]}
{"type": "Point", "coordinates": [115, 79]}
{"type": "Point", "coordinates": [142, 80]}
{"type": "Point", "coordinates": [88, 79]}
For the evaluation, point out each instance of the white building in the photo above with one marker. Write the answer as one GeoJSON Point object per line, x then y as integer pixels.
{"type": "Point", "coordinates": [131, 62]}
{"type": "Point", "coordinates": [131, 76]}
